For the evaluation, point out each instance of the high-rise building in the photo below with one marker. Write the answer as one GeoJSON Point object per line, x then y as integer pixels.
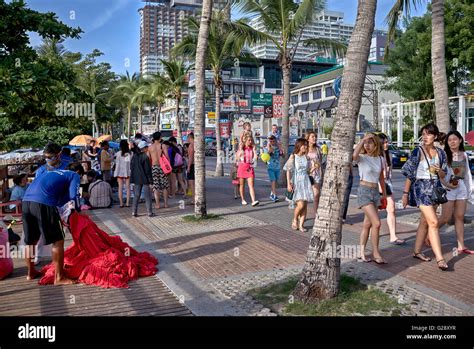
{"type": "Point", "coordinates": [325, 24]}
{"type": "Point", "coordinates": [163, 23]}
{"type": "Point", "coordinates": [377, 46]}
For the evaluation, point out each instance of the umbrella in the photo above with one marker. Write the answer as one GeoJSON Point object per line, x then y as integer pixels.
{"type": "Point", "coordinates": [114, 145]}
{"type": "Point", "coordinates": [470, 137]}
{"type": "Point", "coordinates": [81, 140]}
{"type": "Point", "coordinates": [104, 138]}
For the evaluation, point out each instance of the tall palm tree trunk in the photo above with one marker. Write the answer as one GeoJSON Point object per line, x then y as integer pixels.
{"type": "Point", "coordinates": [438, 66]}
{"type": "Point", "coordinates": [200, 208]}
{"type": "Point", "coordinates": [321, 272]}
{"type": "Point", "coordinates": [179, 136]}
{"type": "Point", "coordinates": [140, 120]}
{"type": "Point", "coordinates": [220, 153]}
{"type": "Point", "coordinates": [285, 133]}
{"type": "Point", "coordinates": [158, 106]}
{"type": "Point", "coordinates": [129, 123]}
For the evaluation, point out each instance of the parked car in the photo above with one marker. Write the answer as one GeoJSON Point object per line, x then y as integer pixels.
{"type": "Point", "coordinates": [399, 156]}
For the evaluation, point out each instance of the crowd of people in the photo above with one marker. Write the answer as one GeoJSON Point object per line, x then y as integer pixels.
{"type": "Point", "coordinates": [439, 165]}
{"type": "Point", "coordinates": [437, 173]}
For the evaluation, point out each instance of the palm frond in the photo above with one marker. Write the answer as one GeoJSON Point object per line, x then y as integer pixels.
{"type": "Point", "coordinates": [396, 12]}
{"type": "Point", "coordinates": [336, 48]}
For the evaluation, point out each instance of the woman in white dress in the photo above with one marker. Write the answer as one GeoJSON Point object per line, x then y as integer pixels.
{"type": "Point", "coordinates": [122, 170]}
{"type": "Point", "coordinates": [297, 170]}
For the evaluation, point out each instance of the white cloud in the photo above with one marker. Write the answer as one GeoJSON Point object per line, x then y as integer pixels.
{"type": "Point", "coordinates": [107, 16]}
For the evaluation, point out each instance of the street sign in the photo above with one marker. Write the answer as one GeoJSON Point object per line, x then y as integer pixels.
{"type": "Point", "coordinates": [258, 110]}
{"type": "Point", "coordinates": [231, 105]}
{"type": "Point", "coordinates": [166, 126]}
{"type": "Point", "coordinates": [261, 99]}
{"type": "Point", "coordinates": [278, 101]}
{"type": "Point", "coordinates": [268, 113]}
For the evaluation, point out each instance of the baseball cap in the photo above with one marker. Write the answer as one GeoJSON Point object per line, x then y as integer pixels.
{"type": "Point", "coordinates": [142, 144]}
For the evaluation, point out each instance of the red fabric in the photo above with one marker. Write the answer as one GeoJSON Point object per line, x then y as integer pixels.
{"type": "Point", "coordinates": [6, 264]}
{"type": "Point", "coordinates": [96, 258]}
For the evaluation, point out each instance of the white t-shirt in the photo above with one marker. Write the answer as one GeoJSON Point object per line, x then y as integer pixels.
{"type": "Point", "coordinates": [422, 172]}
{"type": "Point", "coordinates": [370, 168]}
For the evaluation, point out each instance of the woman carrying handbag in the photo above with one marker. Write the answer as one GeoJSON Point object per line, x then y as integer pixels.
{"type": "Point", "coordinates": [425, 169]}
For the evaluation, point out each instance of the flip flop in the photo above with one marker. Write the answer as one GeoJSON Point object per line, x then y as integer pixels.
{"type": "Point", "coordinates": [466, 251]}
{"type": "Point", "coordinates": [380, 261]}
{"type": "Point", "coordinates": [366, 260]}
{"type": "Point", "coordinates": [398, 242]}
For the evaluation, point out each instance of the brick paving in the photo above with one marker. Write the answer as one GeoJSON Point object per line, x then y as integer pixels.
{"type": "Point", "coordinates": [211, 265]}
{"type": "Point", "coordinates": [251, 247]}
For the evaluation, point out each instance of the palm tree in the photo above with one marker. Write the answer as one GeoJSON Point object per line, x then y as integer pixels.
{"type": "Point", "coordinates": [285, 21]}
{"type": "Point", "coordinates": [438, 63]}
{"type": "Point", "coordinates": [87, 84]}
{"type": "Point", "coordinates": [226, 41]}
{"type": "Point", "coordinates": [157, 90]}
{"type": "Point", "coordinates": [321, 272]}
{"type": "Point", "coordinates": [175, 78]}
{"type": "Point", "coordinates": [124, 93]}
{"type": "Point", "coordinates": [138, 100]}
{"type": "Point", "coordinates": [200, 208]}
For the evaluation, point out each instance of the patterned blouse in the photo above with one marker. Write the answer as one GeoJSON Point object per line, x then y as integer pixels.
{"type": "Point", "coordinates": [410, 168]}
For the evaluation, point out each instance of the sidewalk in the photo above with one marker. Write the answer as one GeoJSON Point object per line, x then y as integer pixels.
{"type": "Point", "coordinates": [211, 265]}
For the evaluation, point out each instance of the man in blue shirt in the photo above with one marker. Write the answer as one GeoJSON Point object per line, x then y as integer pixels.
{"type": "Point", "coordinates": [52, 153]}
{"type": "Point", "coordinates": [275, 133]}
{"type": "Point", "coordinates": [41, 217]}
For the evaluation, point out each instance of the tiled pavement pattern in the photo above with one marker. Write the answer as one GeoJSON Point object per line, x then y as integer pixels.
{"type": "Point", "coordinates": [217, 262]}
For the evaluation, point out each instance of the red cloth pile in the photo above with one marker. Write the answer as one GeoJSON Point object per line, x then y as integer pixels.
{"type": "Point", "coordinates": [96, 258]}
{"type": "Point", "coordinates": [6, 263]}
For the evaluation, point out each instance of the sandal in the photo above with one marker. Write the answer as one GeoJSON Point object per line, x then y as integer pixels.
{"type": "Point", "coordinates": [302, 229]}
{"type": "Point", "coordinates": [365, 259]}
{"type": "Point", "coordinates": [398, 242]}
{"type": "Point", "coordinates": [293, 225]}
{"type": "Point", "coordinates": [466, 251]}
{"type": "Point", "coordinates": [443, 266]}
{"type": "Point", "coordinates": [380, 260]}
{"type": "Point", "coordinates": [421, 257]}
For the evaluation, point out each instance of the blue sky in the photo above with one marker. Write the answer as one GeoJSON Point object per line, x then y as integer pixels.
{"type": "Point", "coordinates": [112, 26]}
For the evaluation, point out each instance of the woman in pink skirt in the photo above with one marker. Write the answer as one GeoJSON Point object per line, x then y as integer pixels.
{"type": "Point", "coordinates": [247, 160]}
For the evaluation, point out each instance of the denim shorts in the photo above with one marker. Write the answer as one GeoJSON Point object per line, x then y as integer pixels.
{"type": "Point", "coordinates": [273, 174]}
{"type": "Point", "coordinates": [366, 195]}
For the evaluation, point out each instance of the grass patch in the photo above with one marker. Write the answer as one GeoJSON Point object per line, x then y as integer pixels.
{"type": "Point", "coordinates": [355, 298]}
{"type": "Point", "coordinates": [193, 219]}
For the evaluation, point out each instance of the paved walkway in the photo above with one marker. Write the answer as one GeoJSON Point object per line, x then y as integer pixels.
{"type": "Point", "coordinates": [209, 266]}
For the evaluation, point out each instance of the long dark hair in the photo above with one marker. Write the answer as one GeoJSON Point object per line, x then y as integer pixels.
{"type": "Point", "coordinates": [299, 143]}
{"type": "Point", "coordinates": [383, 152]}
{"type": "Point", "coordinates": [124, 149]}
{"type": "Point", "coordinates": [447, 149]}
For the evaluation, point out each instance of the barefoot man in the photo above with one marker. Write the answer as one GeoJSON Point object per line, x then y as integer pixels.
{"type": "Point", "coordinates": [41, 217]}
{"type": "Point", "coordinates": [160, 180]}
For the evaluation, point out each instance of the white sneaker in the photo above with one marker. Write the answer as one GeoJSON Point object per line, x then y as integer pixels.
{"type": "Point", "coordinates": [244, 202]}
{"type": "Point", "coordinates": [255, 203]}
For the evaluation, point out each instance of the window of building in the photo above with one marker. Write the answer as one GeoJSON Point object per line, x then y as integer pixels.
{"type": "Point", "coordinates": [248, 89]}
{"type": "Point", "coordinates": [328, 91]}
{"type": "Point", "coordinates": [317, 94]}
{"type": "Point", "coordinates": [210, 88]}
{"type": "Point", "coordinates": [258, 89]}
{"type": "Point", "coordinates": [294, 99]}
{"type": "Point", "coordinates": [226, 88]}
{"type": "Point", "coordinates": [305, 97]}
{"type": "Point", "coordinates": [238, 89]}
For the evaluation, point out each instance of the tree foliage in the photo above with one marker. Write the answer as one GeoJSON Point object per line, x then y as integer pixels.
{"type": "Point", "coordinates": [409, 60]}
